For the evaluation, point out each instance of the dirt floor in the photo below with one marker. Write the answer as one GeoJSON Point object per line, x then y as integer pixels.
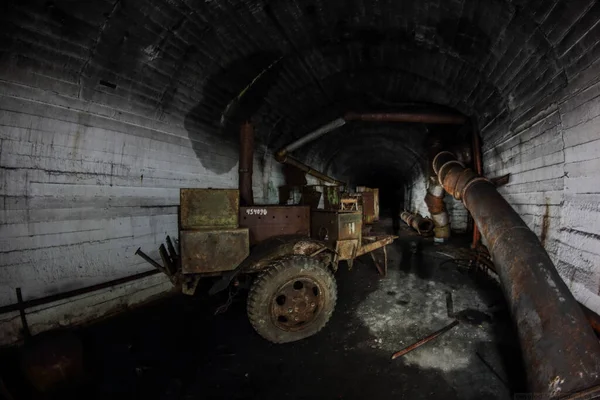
{"type": "Point", "coordinates": [178, 349]}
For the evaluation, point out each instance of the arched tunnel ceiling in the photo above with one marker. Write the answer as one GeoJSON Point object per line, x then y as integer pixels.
{"type": "Point", "coordinates": [361, 151]}
{"type": "Point", "coordinates": [290, 66]}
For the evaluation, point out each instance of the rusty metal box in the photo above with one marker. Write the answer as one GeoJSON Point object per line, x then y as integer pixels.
{"type": "Point", "coordinates": [209, 208]}
{"type": "Point", "coordinates": [368, 206]}
{"type": "Point", "coordinates": [331, 226]}
{"type": "Point", "coordinates": [265, 222]}
{"type": "Point", "coordinates": [213, 250]}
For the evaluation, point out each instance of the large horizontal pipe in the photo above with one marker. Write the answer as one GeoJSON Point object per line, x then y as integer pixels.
{"type": "Point", "coordinates": [422, 225]}
{"type": "Point", "coordinates": [560, 350]}
{"type": "Point", "coordinates": [336, 123]}
{"type": "Point", "coordinates": [419, 117]}
{"type": "Point", "coordinates": [287, 159]}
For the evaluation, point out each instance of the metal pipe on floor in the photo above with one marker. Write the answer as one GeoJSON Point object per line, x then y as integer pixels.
{"type": "Point", "coordinates": [560, 349]}
{"type": "Point", "coordinates": [246, 163]}
{"type": "Point", "coordinates": [422, 225]}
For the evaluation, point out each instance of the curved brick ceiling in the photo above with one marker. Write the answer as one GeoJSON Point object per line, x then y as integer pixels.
{"type": "Point", "coordinates": [293, 65]}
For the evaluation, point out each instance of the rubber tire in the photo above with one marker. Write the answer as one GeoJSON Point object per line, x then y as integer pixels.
{"type": "Point", "coordinates": [281, 271]}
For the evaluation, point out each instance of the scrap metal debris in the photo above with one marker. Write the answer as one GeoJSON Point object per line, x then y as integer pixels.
{"type": "Point", "coordinates": [425, 340]}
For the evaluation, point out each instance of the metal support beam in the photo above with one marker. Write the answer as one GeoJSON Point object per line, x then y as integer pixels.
{"type": "Point", "coordinates": [560, 349]}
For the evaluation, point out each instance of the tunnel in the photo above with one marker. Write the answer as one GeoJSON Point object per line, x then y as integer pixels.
{"type": "Point", "coordinates": [109, 108]}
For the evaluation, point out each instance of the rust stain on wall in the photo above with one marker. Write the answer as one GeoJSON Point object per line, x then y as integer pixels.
{"type": "Point", "coordinates": [545, 224]}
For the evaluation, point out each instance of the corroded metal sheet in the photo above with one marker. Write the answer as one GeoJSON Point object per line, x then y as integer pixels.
{"type": "Point", "coordinates": [346, 249]}
{"type": "Point", "coordinates": [330, 226]}
{"type": "Point", "coordinates": [215, 250]}
{"type": "Point", "coordinates": [209, 208]}
{"type": "Point", "coordinates": [265, 222]}
{"type": "Point", "coordinates": [368, 207]}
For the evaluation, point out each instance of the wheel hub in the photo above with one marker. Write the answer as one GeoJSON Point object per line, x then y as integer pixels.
{"type": "Point", "coordinates": [296, 303]}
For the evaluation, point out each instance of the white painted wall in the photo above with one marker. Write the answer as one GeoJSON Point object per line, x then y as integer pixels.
{"type": "Point", "coordinates": [83, 186]}
{"type": "Point", "coordinates": [554, 162]}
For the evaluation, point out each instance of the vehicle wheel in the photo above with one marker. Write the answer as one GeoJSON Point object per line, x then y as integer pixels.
{"type": "Point", "coordinates": [292, 299]}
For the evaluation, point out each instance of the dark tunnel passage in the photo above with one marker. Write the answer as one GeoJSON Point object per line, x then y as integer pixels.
{"type": "Point", "coordinates": [109, 108]}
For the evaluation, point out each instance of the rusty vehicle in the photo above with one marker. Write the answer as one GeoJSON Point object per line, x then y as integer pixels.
{"type": "Point", "coordinates": [289, 253]}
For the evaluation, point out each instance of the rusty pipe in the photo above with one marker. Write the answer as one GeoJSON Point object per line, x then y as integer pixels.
{"type": "Point", "coordinates": [287, 159]}
{"type": "Point", "coordinates": [478, 164]}
{"type": "Point", "coordinates": [434, 198]}
{"type": "Point", "coordinates": [424, 340]}
{"type": "Point", "coordinates": [560, 350]}
{"type": "Point", "coordinates": [422, 225]}
{"type": "Point", "coordinates": [317, 133]}
{"type": "Point", "coordinates": [418, 117]}
{"type": "Point", "coordinates": [246, 161]}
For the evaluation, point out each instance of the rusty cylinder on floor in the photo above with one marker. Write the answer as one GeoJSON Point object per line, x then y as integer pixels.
{"type": "Point", "coordinates": [422, 225]}
{"type": "Point", "coordinates": [246, 161]}
{"type": "Point", "coordinates": [560, 350]}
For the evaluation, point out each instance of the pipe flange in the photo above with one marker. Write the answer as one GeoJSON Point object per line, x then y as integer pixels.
{"type": "Point", "coordinates": [469, 184]}
{"type": "Point", "coordinates": [444, 169]}
{"type": "Point", "coordinates": [451, 178]}
{"type": "Point", "coordinates": [465, 177]}
{"type": "Point", "coordinates": [441, 153]}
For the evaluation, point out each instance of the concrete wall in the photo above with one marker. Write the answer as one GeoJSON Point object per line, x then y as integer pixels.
{"type": "Point", "coordinates": [89, 173]}
{"type": "Point", "coordinates": [554, 159]}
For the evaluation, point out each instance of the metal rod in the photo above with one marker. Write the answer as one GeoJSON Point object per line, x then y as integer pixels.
{"type": "Point", "coordinates": [146, 257]}
{"type": "Point", "coordinates": [492, 370]}
{"type": "Point", "coordinates": [246, 163]}
{"type": "Point", "coordinates": [317, 133]}
{"type": "Point", "coordinates": [72, 293]}
{"type": "Point", "coordinates": [560, 350]}
{"type": "Point", "coordinates": [21, 303]}
{"type": "Point", "coordinates": [171, 248]}
{"type": "Point", "coordinates": [423, 341]}
{"type": "Point", "coordinates": [419, 117]}
{"type": "Point", "coordinates": [287, 159]}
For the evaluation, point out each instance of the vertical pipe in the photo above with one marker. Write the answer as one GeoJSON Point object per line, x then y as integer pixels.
{"type": "Point", "coordinates": [560, 349]}
{"type": "Point", "coordinates": [478, 163]}
{"type": "Point", "coordinates": [434, 198]}
{"type": "Point", "coordinates": [246, 160]}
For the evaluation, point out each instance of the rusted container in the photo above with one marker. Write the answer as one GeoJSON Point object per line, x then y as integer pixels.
{"type": "Point", "coordinates": [265, 222]}
{"type": "Point", "coordinates": [209, 208]}
{"type": "Point", "coordinates": [213, 250]}
{"type": "Point", "coordinates": [368, 206]}
{"type": "Point", "coordinates": [331, 226]}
